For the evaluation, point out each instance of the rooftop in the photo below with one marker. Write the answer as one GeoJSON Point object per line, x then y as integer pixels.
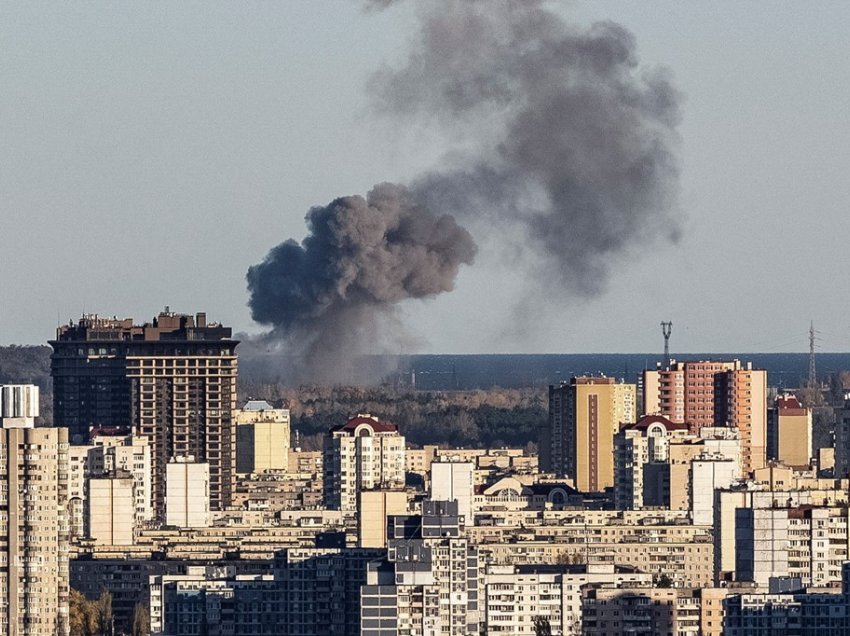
{"type": "Point", "coordinates": [364, 418]}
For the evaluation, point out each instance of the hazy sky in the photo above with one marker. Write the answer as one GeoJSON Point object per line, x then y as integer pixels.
{"type": "Point", "coordinates": [151, 152]}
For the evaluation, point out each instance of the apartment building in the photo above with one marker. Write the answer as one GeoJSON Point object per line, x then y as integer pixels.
{"type": "Point", "coordinates": [789, 428]}
{"type": "Point", "coordinates": [584, 416]}
{"type": "Point", "coordinates": [714, 393]}
{"type": "Point", "coordinates": [362, 454]}
{"type": "Point", "coordinates": [429, 582]}
{"type": "Point", "coordinates": [519, 598]}
{"type": "Point", "coordinates": [171, 380]}
{"type": "Point", "coordinates": [34, 530]}
{"type": "Point", "coordinates": [262, 438]}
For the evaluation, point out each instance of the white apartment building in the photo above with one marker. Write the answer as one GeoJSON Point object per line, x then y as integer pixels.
{"type": "Point", "coordinates": [806, 542]}
{"type": "Point", "coordinates": [362, 454]}
{"type": "Point", "coordinates": [514, 596]}
{"type": "Point", "coordinates": [187, 493]}
{"type": "Point", "coordinates": [453, 481]}
{"type": "Point", "coordinates": [34, 539]}
{"type": "Point", "coordinates": [111, 510]}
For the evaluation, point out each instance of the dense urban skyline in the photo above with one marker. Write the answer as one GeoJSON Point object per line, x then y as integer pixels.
{"type": "Point", "coordinates": [156, 153]}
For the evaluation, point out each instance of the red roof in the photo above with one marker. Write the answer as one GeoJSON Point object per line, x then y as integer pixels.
{"type": "Point", "coordinates": [789, 405]}
{"type": "Point", "coordinates": [379, 427]}
{"type": "Point", "coordinates": [647, 420]}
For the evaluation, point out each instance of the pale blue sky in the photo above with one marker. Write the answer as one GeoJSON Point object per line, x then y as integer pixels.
{"type": "Point", "coordinates": [149, 153]}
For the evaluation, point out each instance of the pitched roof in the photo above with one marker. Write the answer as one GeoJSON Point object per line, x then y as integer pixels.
{"type": "Point", "coordinates": [351, 425]}
{"type": "Point", "coordinates": [648, 420]}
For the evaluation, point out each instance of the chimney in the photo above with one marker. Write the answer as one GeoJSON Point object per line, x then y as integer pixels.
{"type": "Point", "coordinates": [201, 319]}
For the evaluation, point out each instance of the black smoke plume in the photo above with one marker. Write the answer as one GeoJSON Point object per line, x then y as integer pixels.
{"type": "Point", "coordinates": [333, 296]}
{"type": "Point", "coordinates": [556, 138]}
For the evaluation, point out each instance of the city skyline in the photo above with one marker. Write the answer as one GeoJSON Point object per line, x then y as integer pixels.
{"type": "Point", "coordinates": [155, 154]}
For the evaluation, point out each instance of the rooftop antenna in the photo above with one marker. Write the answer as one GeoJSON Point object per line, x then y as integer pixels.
{"type": "Point", "coordinates": [813, 378]}
{"type": "Point", "coordinates": [666, 330]}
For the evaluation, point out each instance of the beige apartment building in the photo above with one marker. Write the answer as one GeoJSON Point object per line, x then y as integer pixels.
{"type": "Point", "coordinates": [515, 596]}
{"type": "Point", "coordinates": [776, 491]}
{"type": "Point", "coordinates": [789, 426]}
{"type": "Point", "coordinates": [111, 510]}
{"type": "Point", "coordinates": [262, 438]}
{"type": "Point", "coordinates": [611, 611]}
{"type": "Point", "coordinates": [34, 531]}
{"type": "Point", "coordinates": [657, 542]}
{"type": "Point", "coordinates": [373, 509]}
{"type": "Point", "coordinates": [584, 416]}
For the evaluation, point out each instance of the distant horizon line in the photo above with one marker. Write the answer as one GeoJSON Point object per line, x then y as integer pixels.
{"type": "Point", "coordinates": [554, 353]}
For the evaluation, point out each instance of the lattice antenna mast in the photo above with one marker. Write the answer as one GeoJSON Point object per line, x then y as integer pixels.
{"type": "Point", "coordinates": [813, 377]}
{"type": "Point", "coordinates": [666, 330]}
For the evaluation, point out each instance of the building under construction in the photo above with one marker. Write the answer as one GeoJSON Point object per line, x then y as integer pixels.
{"type": "Point", "coordinates": [172, 380]}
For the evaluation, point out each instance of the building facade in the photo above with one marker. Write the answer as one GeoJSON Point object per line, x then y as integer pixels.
{"type": "Point", "coordinates": [584, 416]}
{"type": "Point", "coordinates": [362, 454]}
{"type": "Point", "coordinates": [714, 394]}
{"type": "Point", "coordinates": [172, 380]}
{"type": "Point", "coordinates": [34, 531]}
{"type": "Point", "coordinates": [789, 428]}
{"type": "Point", "coordinates": [262, 438]}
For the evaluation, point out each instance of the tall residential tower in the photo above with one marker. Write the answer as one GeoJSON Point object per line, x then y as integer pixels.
{"type": "Point", "coordinates": [584, 416]}
{"type": "Point", "coordinates": [34, 531]}
{"type": "Point", "coordinates": [172, 380]}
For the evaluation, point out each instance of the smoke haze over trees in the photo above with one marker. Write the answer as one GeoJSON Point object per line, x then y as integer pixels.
{"type": "Point", "coordinates": [332, 297]}
{"type": "Point", "coordinates": [555, 136]}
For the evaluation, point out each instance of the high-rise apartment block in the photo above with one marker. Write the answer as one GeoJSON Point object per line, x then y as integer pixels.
{"type": "Point", "coordinates": [19, 405]}
{"type": "Point", "coordinates": [429, 583]}
{"type": "Point", "coordinates": [34, 543]}
{"type": "Point", "coordinates": [642, 457]}
{"type": "Point", "coordinates": [362, 454]}
{"type": "Point", "coordinates": [584, 416]}
{"type": "Point", "coordinates": [714, 393]}
{"type": "Point", "coordinates": [262, 438]}
{"type": "Point", "coordinates": [453, 481]}
{"type": "Point", "coordinates": [172, 380]}
{"type": "Point", "coordinates": [111, 512]}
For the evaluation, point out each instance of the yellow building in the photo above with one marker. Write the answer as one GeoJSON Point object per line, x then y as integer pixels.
{"type": "Point", "coordinates": [790, 432]}
{"type": "Point", "coordinates": [584, 416]}
{"type": "Point", "coordinates": [262, 438]}
{"type": "Point", "coordinates": [375, 506]}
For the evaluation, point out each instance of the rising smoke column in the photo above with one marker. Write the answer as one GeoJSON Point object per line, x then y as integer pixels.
{"type": "Point", "coordinates": [333, 296]}
{"type": "Point", "coordinates": [561, 134]}
{"type": "Point", "coordinates": [556, 138]}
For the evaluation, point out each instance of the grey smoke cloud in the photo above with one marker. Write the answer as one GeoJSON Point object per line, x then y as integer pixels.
{"type": "Point", "coordinates": [553, 132]}
{"type": "Point", "coordinates": [563, 133]}
{"type": "Point", "coordinates": [332, 296]}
